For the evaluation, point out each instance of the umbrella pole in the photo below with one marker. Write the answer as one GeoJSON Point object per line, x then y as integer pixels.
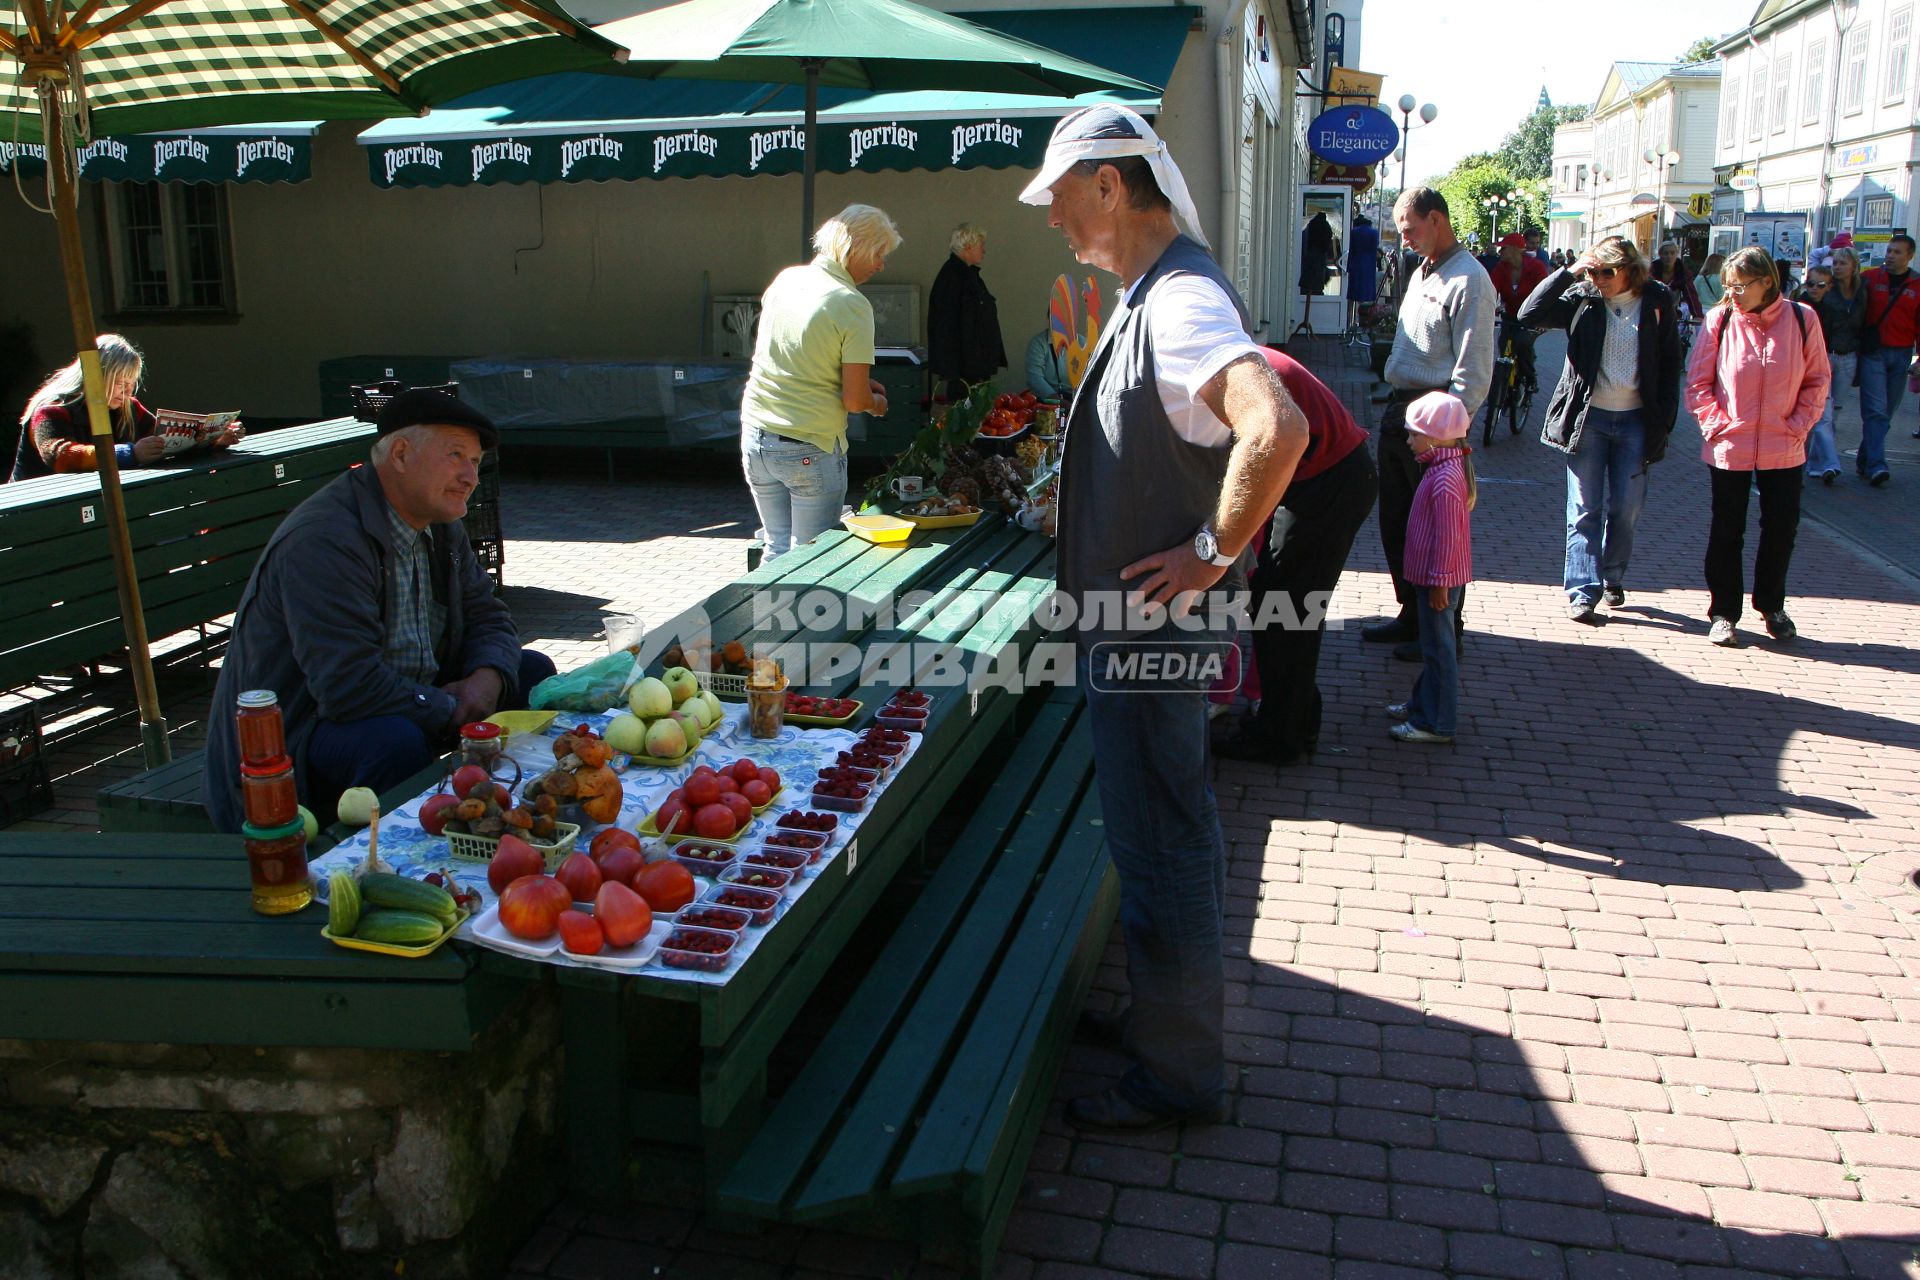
{"type": "Point", "coordinates": [808, 165]}
{"type": "Point", "coordinates": [153, 726]}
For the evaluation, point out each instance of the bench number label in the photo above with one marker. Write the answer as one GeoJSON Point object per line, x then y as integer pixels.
{"type": "Point", "coordinates": [86, 515]}
{"type": "Point", "coordinates": [853, 855]}
{"type": "Point", "coordinates": [279, 471]}
{"type": "Point", "coordinates": [973, 704]}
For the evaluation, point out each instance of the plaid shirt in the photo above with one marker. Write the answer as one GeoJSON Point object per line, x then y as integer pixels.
{"type": "Point", "coordinates": [414, 618]}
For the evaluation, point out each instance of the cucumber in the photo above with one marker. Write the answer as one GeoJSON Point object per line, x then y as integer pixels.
{"type": "Point", "coordinates": [407, 928]}
{"type": "Point", "coordinates": [381, 889]}
{"type": "Point", "coordinates": [343, 904]}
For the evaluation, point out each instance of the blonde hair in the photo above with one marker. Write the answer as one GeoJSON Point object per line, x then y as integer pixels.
{"type": "Point", "coordinates": [1844, 252]}
{"type": "Point", "coordinates": [1751, 264]}
{"type": "Point", "coordinates": [964, 237]}
{"type": "Point", "coordinates": [1622, 255]}
{"type": "Point", "coordinates": [857, 230]}
{"type": "Point", "coordinates": [118, 358]}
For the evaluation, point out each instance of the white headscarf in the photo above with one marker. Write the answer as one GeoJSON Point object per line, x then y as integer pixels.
{"type": "Point", "coordinates": [1108, 132]}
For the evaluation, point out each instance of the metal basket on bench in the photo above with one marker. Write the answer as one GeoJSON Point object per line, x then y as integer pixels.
{"type": "Point", "coordinates": [371, 398]}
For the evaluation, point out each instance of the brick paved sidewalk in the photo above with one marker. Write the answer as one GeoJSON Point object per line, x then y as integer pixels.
{"type": "Point", "coordinates": [1625, 984]}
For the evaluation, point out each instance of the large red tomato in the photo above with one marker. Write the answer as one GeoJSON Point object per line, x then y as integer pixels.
{"type": "Point", "coordinates": [702, 788]}
{"type": "Point", "coordinates": [512, 859]}
{"type": "Point", "coordinates": [667, 886]}
{"type": "Point", "coordinates": [606, 841]}
{"type": "Point", "coordinates": [728, 784]}
{"type": "Point", "coordinates": [580, 933]}
{"type": "Point", "coordinates": [740, 807]}
{"type": "Point", "coordinates": [715, 822]}
{"type": "Point", "coordinates": [771, 777]}
{"type": "Point", "coordinates": [621, 865]}
{"type": "Point", "coordinates": [744, 771]}
{"type": "Point", "coordinates": [469, 778]}
{"type": "Point", "coordinates": [434, 812]}
{"type": "Point", "coordinates": [675, 817]}
{"type": "Point", "coordinates": [624, 915]}
{"type": "Point", "coordinates": [581, 875]}
{"type": "Point", "coordinates": [756, 792]}
{"type": "Point", "coordinates": [531, 906]}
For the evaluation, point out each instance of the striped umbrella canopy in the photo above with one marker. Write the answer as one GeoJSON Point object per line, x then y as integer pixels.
{"type": "Point", "coordinates": [68, 70]}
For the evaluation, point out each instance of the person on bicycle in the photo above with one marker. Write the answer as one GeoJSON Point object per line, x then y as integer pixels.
{"type": "Point", "coordinates": [1515, 277]}
{"type": "Point", "coordinates": [1612, 410]}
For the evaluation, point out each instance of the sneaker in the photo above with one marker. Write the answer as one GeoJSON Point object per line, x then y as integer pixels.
{"type": "Point", "coordinates": [1616, 596]}
{"type": "Point", "coordinates": [1878, 479]}
{"type": "Point", "coordinates": [1583, 611]}
{"type": "Point", "coordinates": [1406, 731]}
{"type": "Point", "coordinates": [1780, 626]}
{"type": "Point", "coordinates": [1399, 710]}
{"type": "Point", "coordinates": [1828, 477]}
{"type": "Point", "coordinates": [1723, 634]}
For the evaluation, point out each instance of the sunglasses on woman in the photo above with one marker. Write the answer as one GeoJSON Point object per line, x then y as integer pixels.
{"type": "Point", "coordinates": [1603, 273]}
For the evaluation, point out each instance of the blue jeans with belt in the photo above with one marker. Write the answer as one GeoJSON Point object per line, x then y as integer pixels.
{"type": "Point", "coordinates": [1163, 832]}
{"type": "Point", "coordinates": [799, 489]}
{"type": "Point", "coordinates": [1606, 487]}
{"type": "Point", "coordinates": [1883, 380]}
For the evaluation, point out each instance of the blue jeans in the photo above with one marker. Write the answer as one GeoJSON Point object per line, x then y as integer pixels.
{"type": "Point", "coordinates": [384, 751]}
{"type": "Point", "coordinates": [1823, 452]}
{"type": "Point", "coordinates": [1606, 487]}
{"type": "Point", "coordinates": [799, 489]}
{"type": "Point", "coordinates": [1883, 380]}
{"type": "Point", "coordinates": [1435, 704]}
{"type": "Point", "coordinates": [1163, 832]}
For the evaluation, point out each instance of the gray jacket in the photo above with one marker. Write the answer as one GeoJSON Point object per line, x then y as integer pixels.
{"type": "Point", "coordinates": [311, 626]}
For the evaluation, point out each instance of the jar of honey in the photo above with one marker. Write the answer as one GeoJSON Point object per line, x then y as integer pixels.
{"type": "Point", "coordinates": [480, 743]}
{"type": "Point", "coordinates": [277, 863]}
{"type": "Point", "coordinates": [257, 722]}
{"type": "Point", "coordinates": [268, 793]}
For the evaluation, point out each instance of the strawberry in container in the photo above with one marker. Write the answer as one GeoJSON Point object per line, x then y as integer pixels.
{"type": "Point", "coordinates": [691, 947]}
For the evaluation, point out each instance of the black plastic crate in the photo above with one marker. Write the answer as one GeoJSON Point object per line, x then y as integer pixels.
{"type": "Point", "coordinates": [368, 400]}
{"type": "Point", "coordinates": [26, 786]}
{"type": "Point", "coordinates": [482, 522]}
{"type": "Point", "coordinates": [492, 555]}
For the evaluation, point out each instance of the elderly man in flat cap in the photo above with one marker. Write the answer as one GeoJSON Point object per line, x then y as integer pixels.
{"type": "Point", "coordinates": [1180, 441]}
{"type": "Point", "coordinates": [370, 617]}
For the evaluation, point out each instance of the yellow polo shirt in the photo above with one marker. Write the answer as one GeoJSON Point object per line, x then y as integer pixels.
{"type": "Point", "coordinates": [812, 321]}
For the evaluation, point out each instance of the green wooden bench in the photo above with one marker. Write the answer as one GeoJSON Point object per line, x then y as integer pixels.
{"type": "Point", "coordinates": [163, 799]}
{"type": "Point", "coordinates": [917, 1115]}
{"type": "Point", "coordinates": [196, 530]}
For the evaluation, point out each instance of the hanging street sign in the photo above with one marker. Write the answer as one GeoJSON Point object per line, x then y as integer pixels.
{"type": "Point", "coordinates": [1353, 135]}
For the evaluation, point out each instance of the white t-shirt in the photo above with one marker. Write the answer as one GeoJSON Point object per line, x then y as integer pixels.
{"type": "Point", "coordinates": [1196, 333]}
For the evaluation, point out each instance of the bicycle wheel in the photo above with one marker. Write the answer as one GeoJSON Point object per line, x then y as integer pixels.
{"type": "Point", "coordinates": [1518, 409]}
{"type": "Point", "coordinates": [1490, 415]}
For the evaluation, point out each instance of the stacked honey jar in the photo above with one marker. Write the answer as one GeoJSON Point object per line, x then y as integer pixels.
{"type": "Point", "coordinates": [274, 831]}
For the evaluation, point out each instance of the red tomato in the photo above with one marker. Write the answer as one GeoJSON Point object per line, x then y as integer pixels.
{"type": "Point", "coordinates": [621, 866]}
{"type": "Point", "coordinates": [771, 777]}
{"type": "Point", "coordinates": [606, 841]}
{"type": "Point", "coordinates": [531, 906]}
{"type": "Point", "coordinates": [667, 886]}
{"type": "Point", "coordinates": [512, 859]}
{"type": "Point", "coordinates": [756, 792]}
{"type": "Point", "coordinates": [702, 789]}
{"type": "Point", "coordinates": [622, 914]}
{"type": "Point", "coordinates": [434, 815]}
{"type": "Point", "coordinates": [715, 822]}
{"type": "Point", "coordinates": [469, 778]}
{"type": "Point", "coordinates": [740, 807]}
{"type": "Point", "coordinates": [580, 933]}
{"type": "Point", "coordinates": [702, 769]}
{"type": "Point", "coordinates": [744, 771]}
{"type": "Point", "coordinates": [581, 875]}
{"type": "Point", "coordinates": [728, 787]}
{"type": "Point", "coordinates": [673, 812]}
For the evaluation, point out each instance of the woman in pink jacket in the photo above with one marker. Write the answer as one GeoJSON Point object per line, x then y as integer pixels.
{"type": "Point", "coordinates": [1756, 383]}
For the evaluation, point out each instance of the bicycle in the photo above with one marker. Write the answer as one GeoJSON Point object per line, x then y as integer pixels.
{"type": "Point", "coordinates": [1510, 393]}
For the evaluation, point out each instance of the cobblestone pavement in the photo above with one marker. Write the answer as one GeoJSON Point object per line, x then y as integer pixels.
{"type": "Point", "coordinates": [1626, 983]}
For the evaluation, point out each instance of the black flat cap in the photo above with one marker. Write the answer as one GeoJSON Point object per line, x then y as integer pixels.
{"type": "Point", "coordinates": [423, 408]}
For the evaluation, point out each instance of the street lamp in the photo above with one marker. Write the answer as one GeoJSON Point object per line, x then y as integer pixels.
{"type": "Point", "coordinates": [1427, 114]}
{"type": "Point", "coordinates": [1600, 177]}
{"type": "Point", "coordinates": [1497, 204]}
{"type": "Point", "coordinates": [1664, 162]}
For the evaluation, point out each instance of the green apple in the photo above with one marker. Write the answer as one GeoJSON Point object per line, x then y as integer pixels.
{"type": "Point", "coordinates": [666, 740]}
{"type": "Point", "coordinates": [690, 725]}
{"type": "Point", "coordinates": [627, 732]}
{"type": "Point", "coordinates": [681, 683]}
{"type": "Point", "coordinates": [715, 713]}
{"type": "Point", "coordinates": [649, 698]}
{"type": "Point", "coordinates": [357, 805]}
{"type": "Point", "coordinates": [311, 823]}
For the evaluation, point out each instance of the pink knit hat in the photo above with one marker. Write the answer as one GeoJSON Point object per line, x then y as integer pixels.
{"type": "Point", "coordinates": [1439, 415]}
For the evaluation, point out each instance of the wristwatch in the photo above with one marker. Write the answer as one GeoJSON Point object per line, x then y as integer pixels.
{"type": "Point", "coordinates": [1207, 547]}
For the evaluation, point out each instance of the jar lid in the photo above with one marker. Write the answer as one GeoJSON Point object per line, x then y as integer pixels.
{"type": "Point", "coordinates": [480, 731]}
{"type": "Point", "coordinates": [256, 698]}
{"type": "Point", "coordinates": [298, 827]}
{"type": "Point", "coordinates": [277, 765]}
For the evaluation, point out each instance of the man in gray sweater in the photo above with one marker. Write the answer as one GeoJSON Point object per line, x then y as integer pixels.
{"type": "Point", "coordinates": [1445, 343]}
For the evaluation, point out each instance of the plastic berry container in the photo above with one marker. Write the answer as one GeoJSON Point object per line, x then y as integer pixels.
{"type": "Point", "coordinates": [807, 842]}
{"type": "Point", "coordinates": [691, 947]}
{"type": "Point", "coordinates": [706, 914]}
{"type": "Point", "coordinates": [845, 804]}
{"type": "Point", "coordinates": [756, 876]}
{"type": "Point", "coordinates": [758, 905]}
{"type": "Point", "coordinates": [891, 717]}
{"type": "Point", "coordinates": [885, 741]}
{"type": "Point", "coordinates": [823, 824]}
{"type": "Point", "coordinates": [850, 773]}
{"type": "Point", "coordinates": [704, 857]}
{"type": "Point", "coordinates": [784, 859]}
{"type": "Point", "coordinates": [909, 699]}
{"type": "Point", "coordinates": [864, 756]}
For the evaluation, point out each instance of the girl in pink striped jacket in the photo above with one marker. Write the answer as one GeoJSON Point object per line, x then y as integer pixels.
{"type": "Point", "coordinates": [1439, 559]}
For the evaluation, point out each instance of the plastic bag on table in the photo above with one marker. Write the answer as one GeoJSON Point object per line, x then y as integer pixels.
{"type": "Point", "coordinates": [600, 684]}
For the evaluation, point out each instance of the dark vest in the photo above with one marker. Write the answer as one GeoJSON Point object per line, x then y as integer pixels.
{"type": "Point", "coordinates": [1130, 485]}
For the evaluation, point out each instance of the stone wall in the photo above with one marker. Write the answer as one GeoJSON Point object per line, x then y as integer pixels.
{"type": "Point", "coordinates": [160, 1161]}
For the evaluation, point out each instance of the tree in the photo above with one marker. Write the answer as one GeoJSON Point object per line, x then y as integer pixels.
{"type": "Point", "coordinates": [1467, 187]}
{"type": "Point", "coordinates": [1527, 152]}
{"type": "Point", "coordinates": [1700, 50]}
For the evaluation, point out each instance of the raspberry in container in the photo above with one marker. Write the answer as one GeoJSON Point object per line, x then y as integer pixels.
{"type": "Point", "coordinates": [805, 820]}
{"type": "Point", "coordinates": [864, 757]}
{"type": "Point", "coordinates": [691, 947]}
{"type": "Point", "coordinates": [847, 797]}
{"type": "Point", "coordinates": [850, 773]}
{"type": "Point", "coordinates": [704, 857]}
{"type": "Point", "coordinates": [758, 904]}
{"type": "Point", "coordinates": [807, 842]}
{"type": "Point", "coordinates": [888, 742]}
{"type": "Point", "coordinates": [754, 876]}
{"type": "Point", "coordinates": [711, 915]}
{"type": "Point", "coordinates": [784, 859]}
{"type": "Point", "coordinates": [895, 717]}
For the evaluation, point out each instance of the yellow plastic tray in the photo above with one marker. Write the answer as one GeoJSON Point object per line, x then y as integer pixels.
{"type": "Point", "coordinates": [523, 721]}
{"type": "Point", "coordinates": [823, 722]}
{"type": "Point", "coordinates": [651, 827]}
{"type": "Point", "coordinates": [879, 529]}
{"type": "Point", "coordinates": [945, 522]}
{"type": "Point", "coordinates": [395, 948]}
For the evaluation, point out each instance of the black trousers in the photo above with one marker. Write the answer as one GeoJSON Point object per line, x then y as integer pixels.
{"type": "Point", "coordinates": [1327, 512]}
{"type": "Point", "coordinates": [1726, 539]}
{"type": "Point", "coordinates": [1399, 477]}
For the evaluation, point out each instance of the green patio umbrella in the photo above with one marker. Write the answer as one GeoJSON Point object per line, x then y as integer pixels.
{"type": "Point", "coordinates": [146, 65]}
{"type": "Point", "coordinates": [846, 44]}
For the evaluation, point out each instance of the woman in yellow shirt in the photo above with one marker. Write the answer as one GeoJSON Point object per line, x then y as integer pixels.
{"type": "Point", "coordinates": [812, 366]}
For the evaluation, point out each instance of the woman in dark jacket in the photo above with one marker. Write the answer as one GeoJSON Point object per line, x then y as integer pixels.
{"type": "Point", "coordinates": [1670, 269]}
{"type": "Point", "coordinates": [963, 321]}
{"type": "Point", "coordinates": [1613, 409]}
{"type": "Point", "coordinates": [1842, 307]}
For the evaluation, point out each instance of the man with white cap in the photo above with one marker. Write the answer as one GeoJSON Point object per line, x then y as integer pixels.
{"type": "Point", "coordinates": [1179, 443]}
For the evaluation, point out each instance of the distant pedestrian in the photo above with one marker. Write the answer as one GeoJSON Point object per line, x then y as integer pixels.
{"type": "Point", "coordinates": [1707, 285]}
{"type": "Point", "coordinates": [1671, 270]}
{"type": "Point", "coordinates": [1756, 383]}
{"type": "Point", "coordinates": [1612, 410]}
{"type": "Point", "coordinates": [1837, 296]}
{"type": "Point", "coordinates": [963, 320]}
{"type": "Point", "coordinates": [1439, 563]}
{"type": "Point", "coordinates": [1886, 349]}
